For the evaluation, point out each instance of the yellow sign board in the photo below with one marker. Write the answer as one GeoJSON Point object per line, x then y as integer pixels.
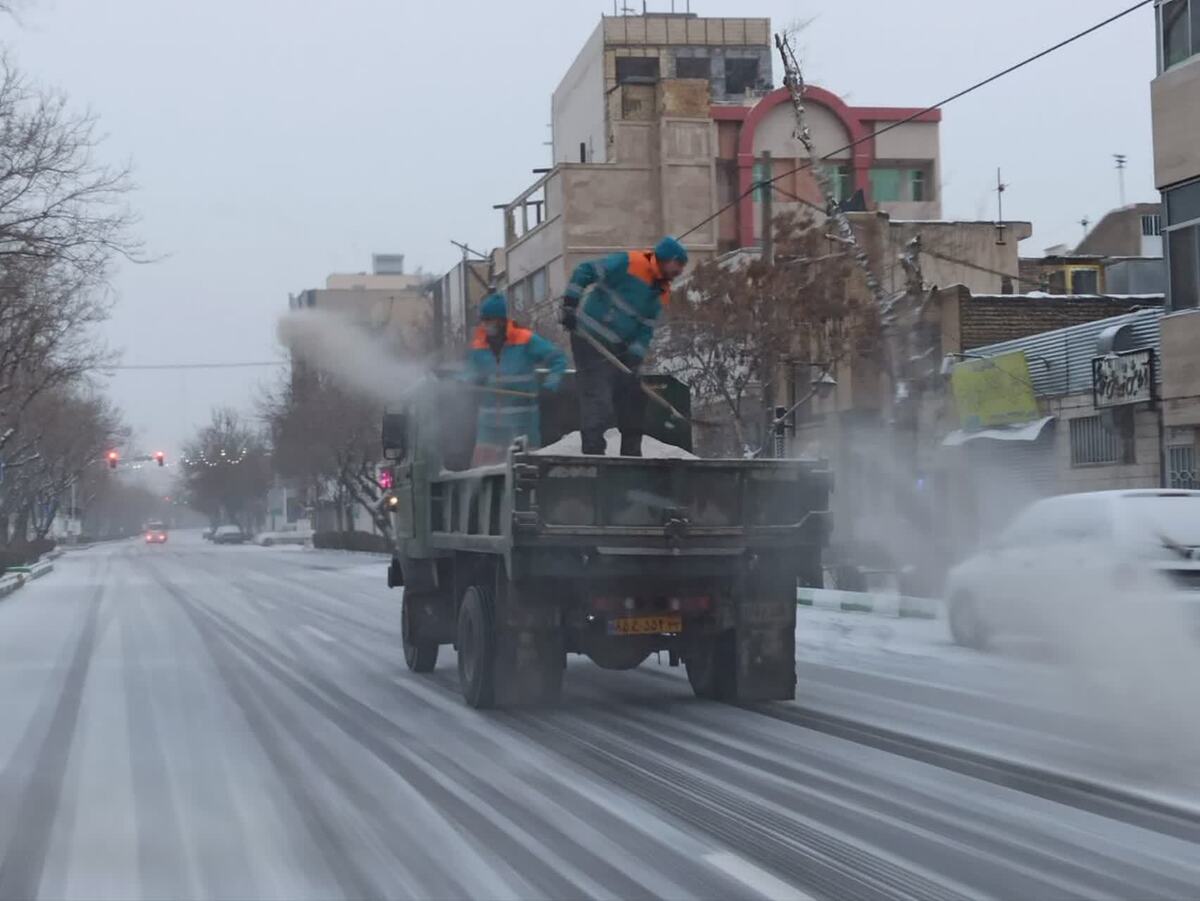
{"type": "Point", "coordinates": [994, 391]}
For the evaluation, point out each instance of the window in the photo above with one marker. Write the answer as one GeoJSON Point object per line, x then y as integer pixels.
{"type": "Point", "coordinates": [1183, 203]}
{"type": "Point", "coordinates": [637, 69]}
{"type": "Point", "coordinates": [1092, 444]}
{"type": "Point", "coordinates": [1151, 226]}
{"type": "Point", "coordinates": [762, 173]}
{"type": "Point", "coordinates": [885, 185]}
{"type": "Point", "coordinates": [1085, 281]}
{"type": "Point", "coordinates": [1182, 233]}
{"type": "Point", "coordinates": [1183, 267]}
{"type": "Point", "coordinates": [1181, 466]}
{"type": "Point", "coordinates": [518, 294]}
{"type": "Point", "coordinates": [843, 182]}
{"type": "Point", "coordinates": [1179, 31]}
{"type": "Point", "coordinates": [692, 67]}
{"type": "Point", "coordinates": [538, 286]}
{"type": "Point", "coordinates": [741, 74]}
{"type": "Point", "coordinates": [918, 186]}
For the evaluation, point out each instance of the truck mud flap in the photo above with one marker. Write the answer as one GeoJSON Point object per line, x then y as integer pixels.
{"type": "Point", "coordinates": [766, 664]}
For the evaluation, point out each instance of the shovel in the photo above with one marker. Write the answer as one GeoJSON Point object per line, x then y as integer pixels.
{"type": "Point", "coordinates": [650, 392]}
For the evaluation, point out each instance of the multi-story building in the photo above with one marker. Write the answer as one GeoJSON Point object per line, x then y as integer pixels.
{"type": "Point", "coordinates": [1122, 254]}
{"type": "Point", "coordinates": [663, 125]}
{"type": "Point", "coordinates": [392, 305]}
{"type": "Point", "coordinates": [1175, 97]}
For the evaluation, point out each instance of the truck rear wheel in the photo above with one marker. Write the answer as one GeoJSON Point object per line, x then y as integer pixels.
{"type": "Point", "coordinates": [711, 668]}
{"type": "Point", "coordinates": [477, 647]}
{"type": "Point", "coordinates": [419, 655]}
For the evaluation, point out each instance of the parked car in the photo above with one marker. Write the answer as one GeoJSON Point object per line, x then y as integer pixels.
{"type": "Point", "coordinates": [156, 533]}
{"type": "Point", "coordinates": [1064, 556]}
{"type": "Point", "coordinates": [207, 534]}
{"type": "Point", "coordinates": [229, 535]}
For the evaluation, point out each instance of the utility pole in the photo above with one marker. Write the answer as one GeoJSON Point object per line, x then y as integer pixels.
{"type": "Point", "coordinates": [1001, 228]}
{"type": "Point", "coordinates": [1121, 160]}
{"type": "Point", "coordinates": [767, 207]}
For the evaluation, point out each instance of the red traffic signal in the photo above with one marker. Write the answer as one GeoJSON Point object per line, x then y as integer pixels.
{"type": "Point", "coordinates": [160, 458]}
{"type": "Point", "coordinates": [385, 478]}
{"type": "Point", "coordinates": [113, 457]}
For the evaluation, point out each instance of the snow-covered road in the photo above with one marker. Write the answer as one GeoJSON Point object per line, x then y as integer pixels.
{"type": "Point", "coordinates": [195, 721]}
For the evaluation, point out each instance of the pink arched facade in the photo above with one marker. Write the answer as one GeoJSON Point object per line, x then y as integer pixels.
{"type": "Point", "coordinates": [859, 122]}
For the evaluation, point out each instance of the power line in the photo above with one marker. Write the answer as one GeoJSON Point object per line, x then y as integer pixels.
{"type": "Point", "coordinates": [195, 365]}
{"type": "Point", "coordinates": [893, 125]}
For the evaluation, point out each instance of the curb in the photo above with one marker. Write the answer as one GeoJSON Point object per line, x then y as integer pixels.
{"type": "Point", "coordinates": [9, 584]}
{"type": "Point", "coordinates": [866, 602]}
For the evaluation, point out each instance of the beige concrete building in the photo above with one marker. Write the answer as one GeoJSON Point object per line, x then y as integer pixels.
{"type": "Point", "coordinates": [1175, 96]}
{"type": "Point", "coordinates": [394, 306]}
{"type": "Point", "coordinates": [663, 120]}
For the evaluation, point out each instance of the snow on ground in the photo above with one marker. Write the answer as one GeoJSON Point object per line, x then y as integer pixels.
{"type": "Point", "coordinates": [1106, 721]}
{"type": "Point", "coordinates": [571, 445]}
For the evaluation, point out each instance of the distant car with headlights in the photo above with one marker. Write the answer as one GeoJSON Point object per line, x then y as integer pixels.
{"type": "Point", "coordinates": [1067, 560]}
{"type": "Point", "coordinates": [156, 533]}
{"type": "Point", "coordinates": [229, 535]}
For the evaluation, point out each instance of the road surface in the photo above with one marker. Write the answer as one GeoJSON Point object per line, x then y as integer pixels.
{"type": "Point", "coordinates": [236, 722]}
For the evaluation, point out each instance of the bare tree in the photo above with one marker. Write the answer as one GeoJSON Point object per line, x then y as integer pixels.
{"type": "Point", "coordinates": [63, 437]}
{"type": "Point", "coordinates": [733, 326]}
{"type": "Point", "coordinates": [225, 470]}
{"type": "Point", "coordinates": [327, 438]}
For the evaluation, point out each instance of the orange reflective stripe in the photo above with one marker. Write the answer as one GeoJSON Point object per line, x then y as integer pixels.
{"type": "Point", "coordinates": [643, 265]}
{"type": "Point", "coordinates": [517, 335]}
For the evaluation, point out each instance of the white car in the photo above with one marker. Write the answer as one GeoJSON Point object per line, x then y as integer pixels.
{"type": "Point", "coordinates": [1081, 561]}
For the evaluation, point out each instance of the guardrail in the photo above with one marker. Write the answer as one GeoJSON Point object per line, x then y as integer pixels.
{"type": "Point", "coordinates": [881, 603]}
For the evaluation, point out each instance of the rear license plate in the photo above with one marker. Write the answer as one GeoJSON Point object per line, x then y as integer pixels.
{"type": "Point", "coordinates": [645, 625]}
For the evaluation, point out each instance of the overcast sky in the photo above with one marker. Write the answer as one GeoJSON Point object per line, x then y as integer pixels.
{"type": "Point", "coordinates": [275, 141]}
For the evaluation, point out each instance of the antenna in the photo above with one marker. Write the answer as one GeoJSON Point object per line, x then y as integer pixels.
{"type": "Point", "coordinates": [1121, 159]}
{"type": "Point", "coordinates": [1085, 222]}
{"type": "Point", "coordinates": [1001, 228]}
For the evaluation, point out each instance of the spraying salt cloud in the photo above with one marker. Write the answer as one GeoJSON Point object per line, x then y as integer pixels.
{"type": "Point", "coordinates": [349, 354]}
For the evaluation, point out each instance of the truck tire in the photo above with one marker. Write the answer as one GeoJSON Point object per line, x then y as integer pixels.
{"type": "Point", "coordinates": [420, 656]}
{"type": "Point", "coordinates": [477, 648]}
{"type": "Point", "coordinates": [710, 665]}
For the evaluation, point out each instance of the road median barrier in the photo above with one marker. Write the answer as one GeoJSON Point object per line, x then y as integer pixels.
{"type": "Point", "coordinates": [876, 602]}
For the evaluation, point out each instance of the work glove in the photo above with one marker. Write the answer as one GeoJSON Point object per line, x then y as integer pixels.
{"type": "Point", "coordinates": [568, 319]}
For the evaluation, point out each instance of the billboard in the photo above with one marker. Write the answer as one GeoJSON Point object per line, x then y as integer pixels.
{"type": "Point", "coordinates": [995, 391]}
{"type": "Point", "coordinates": [1119, 379]}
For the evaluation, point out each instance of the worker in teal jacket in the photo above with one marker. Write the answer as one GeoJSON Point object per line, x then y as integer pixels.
{"type": "Point", "coordinates": [505, 358]}
{"type": "Point", "coordinates": [628, 293]}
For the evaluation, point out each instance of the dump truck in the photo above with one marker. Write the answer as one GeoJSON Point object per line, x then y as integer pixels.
{"type": "Point", "coordinates": [521, 563]}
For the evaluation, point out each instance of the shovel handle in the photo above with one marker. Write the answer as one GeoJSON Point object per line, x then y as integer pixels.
{"type": "Point", "coordinates": [650, 392]}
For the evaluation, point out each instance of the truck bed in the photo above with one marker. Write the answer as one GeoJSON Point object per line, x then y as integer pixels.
{"type": "Point", "coordinates": [677, 506]}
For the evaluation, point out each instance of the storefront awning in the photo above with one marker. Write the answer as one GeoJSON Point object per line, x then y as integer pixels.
{"type": "Point", "coordinates": [1025, 431]}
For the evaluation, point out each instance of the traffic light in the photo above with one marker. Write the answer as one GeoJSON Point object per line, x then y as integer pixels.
{"type": "Point", "coordinates": [113, 457]}
{"type": "Point", "coordinates": [385, 478]}
{"type": "Point", "coordinates": [160, 458]}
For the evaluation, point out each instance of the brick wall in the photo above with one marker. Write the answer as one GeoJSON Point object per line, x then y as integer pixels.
{"type": "Point", "coordinates": [991, 319]}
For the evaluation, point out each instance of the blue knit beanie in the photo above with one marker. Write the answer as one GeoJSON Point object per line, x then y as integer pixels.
{"type": "Point", "coordinates": [670, 249]}
{"type": "Point", "coordinates": [494, 306]}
